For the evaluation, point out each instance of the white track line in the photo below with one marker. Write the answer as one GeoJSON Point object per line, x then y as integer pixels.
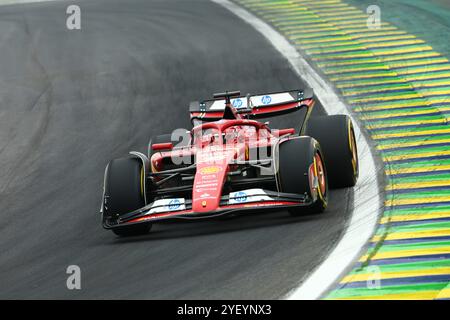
{"type": "Point", "coordinates": [367, 202]}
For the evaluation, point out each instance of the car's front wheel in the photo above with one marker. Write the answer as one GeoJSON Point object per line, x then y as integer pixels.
{"type": "Point", "coordinates": [124, 192]}
{"type": "Point", "coordinates": [301, 170]}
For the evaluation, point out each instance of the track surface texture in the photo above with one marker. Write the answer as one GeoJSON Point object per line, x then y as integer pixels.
{"type": "Point", "coordinates": [72, 100]}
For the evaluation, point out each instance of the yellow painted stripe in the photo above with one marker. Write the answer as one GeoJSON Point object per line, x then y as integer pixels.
{"type": "Point", "coordinates": [363, 29]}
{"type": "Point", "coordinates": [405, 123]}
{"type": "Point", "coordinates": [427, 54]}
{"type": "Point", "coordinates": [319, 34]}
{"type": "Point", "coordinates": [404, 50]}
{"type": "Point", "coordinates": [430, 76]}
{"type": "Point", "coordinates": [429, 199]}
{"type": "Point", "coordinates": [364, 76]}
{"type": "Point", "coordinates": [295, 33]}
{"type": "Point", "coordinates": [419, 295]}
{"type": "Point", "coordinates": [417, 170]}
{"type": "Point", "coordinates": [333, 9]}
{"type": "Point", "coordinates": [371, 34]}
{"type": "Point", "coordinates": [411, 144]}
{"type": "Point", "coordinates": [396, 114]}
{"type": "Point", "coordinates": [318, 26]}
{"type": "Point", "coordinates": [323, 45]}
{"type": "Point", "coordinates": [414, 217]}
{"type": "Point", "coordinates": [293, 11]}
{"type": "Point", "coordinates": [347, 62]}
{"type": "Point", "coordinates": [396, 274]}
{"type": "Point", "coordinates": [413, 235]}
{"type": "Point", "coordinates": [431, 99]}
{"type": "Point", "coordinates": [420, 184]}
{"type": "Point", "coordinates": [268, 5]}
{"type": "Point", "coordinates": [392, 44]}
{"type": "Point", "coordinates": [376, 90]}
{"type": "Point", "coordinates": [338, 38]}
{"type": "Point", "coordinates": [356, 23]}
{"type": "Point", "coordinates": [444, 294]}
{"type": "Point", "coordinates": [416, 155]}
{"type": "Point", "coordinates": [370, 83]}
{"type": "Point", "coordinates": [297, 11]}
{"type": "Point", "coordinates": [337, 13]}
{"type": "Point", "coordinates": [433, 84]}
{"type": "Point", "coordinates": [320, 3]}
{"type": "Point", "coordinates": [437, 91]}
{"type": "Point", "coordinates": [407, 253]}
{"type": "Point", "coordinates": [407, 63]}
{"type": "Point", "coordinates": [386, 98]}
{"type": "Point", "coordinates": [424, 69]}
{"type": "Point", "coordinates": [355, 55]}
{"type": "Point", "coordinates": [392, 105]}
{"type": "Point", "coordinates": [381, 39]}
{"type": "Point", "coordinates": [324, 51]}
{"type": "Point", "coordinates": [347, 19]}
{"type": "Point", "coordinates": [350, 69]}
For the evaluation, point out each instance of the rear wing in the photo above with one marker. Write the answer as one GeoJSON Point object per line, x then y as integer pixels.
{"type": "Point", "coordinates": [253, 106]}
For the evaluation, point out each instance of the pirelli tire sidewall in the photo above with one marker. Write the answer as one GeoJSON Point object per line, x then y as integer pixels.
{"type": "Point", "coordinates": [294, 158]}
{"type": "Point", "coordinates": [336, 137]}
{"type": "Point", "coordinates": [124, 192]}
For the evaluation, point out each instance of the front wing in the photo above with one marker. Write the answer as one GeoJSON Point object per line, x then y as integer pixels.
{"type": "Point", "coordinates": [235, 202]}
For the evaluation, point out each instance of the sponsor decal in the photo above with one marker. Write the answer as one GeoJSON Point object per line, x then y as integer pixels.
{"type": "Point", "coordinates": [240, 196]}
{"type": "Point", "coordinates": [237, 103]}
{"type": "Point", "coordinates": [210, 170]}
{"type": "Point", "coordinates": [174, 204]}
{"type": "Point", "coordinates": [248, 195]}
{"type": "Point", "coordinates": [266, 99]}
{"type": "Point", "coordinates": [163, 205]}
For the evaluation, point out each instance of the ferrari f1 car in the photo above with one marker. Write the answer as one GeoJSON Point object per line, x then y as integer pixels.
{"type": "Point", "coordinates": [231, 163]}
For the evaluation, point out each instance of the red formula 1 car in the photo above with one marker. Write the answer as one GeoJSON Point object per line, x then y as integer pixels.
{"type": "Point", "coordinates": [229, 162]}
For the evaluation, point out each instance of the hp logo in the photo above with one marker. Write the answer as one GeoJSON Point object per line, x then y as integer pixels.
{"type": "Point", "coordinates": [240, 196]}
{"type": "Point", "coordinates": [266, 99]}
{"type": "Point", "coordinates": [237, 103]}
{"type": "Point", "coordinates": [174, 204]}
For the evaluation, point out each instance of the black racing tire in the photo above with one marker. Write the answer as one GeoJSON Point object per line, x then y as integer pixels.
{"type": "Point", "coordinates": [336, 137]}
{"type": "Point", "coordinates": [124, 189]}
{"type": "Point", "coordinates": [295, 157]}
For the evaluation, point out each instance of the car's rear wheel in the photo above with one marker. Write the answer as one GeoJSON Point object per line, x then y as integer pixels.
{"type": "Point", "coordinates": [301, 170]}
{"type": "Point", "coordinates": [124, 191]}
{"type": "Point", "coordinates": [336, 137]}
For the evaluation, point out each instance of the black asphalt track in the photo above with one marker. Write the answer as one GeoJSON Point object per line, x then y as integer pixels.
{"type": "Point", "coordinates": [72, 100]}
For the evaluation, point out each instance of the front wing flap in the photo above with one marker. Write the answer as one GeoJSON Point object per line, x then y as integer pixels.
{"type": "Point", "coordinates": [179, 208]}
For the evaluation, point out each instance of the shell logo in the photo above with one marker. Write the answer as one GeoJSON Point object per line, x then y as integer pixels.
{"type": "Point", "coordinates": [210, 170]}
